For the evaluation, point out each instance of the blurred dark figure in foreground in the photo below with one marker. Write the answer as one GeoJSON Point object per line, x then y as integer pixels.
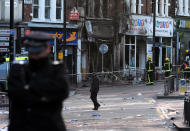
{"type": "Point", "coordinates": [2, 59]}
{"type": "Point", "coordinates": [37, 89]}
{"type": "Point", "coordinates": [94, 91]}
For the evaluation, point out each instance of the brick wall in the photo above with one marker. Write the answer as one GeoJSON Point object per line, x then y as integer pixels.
{"type": "Point", "coordinates": [27, 12]}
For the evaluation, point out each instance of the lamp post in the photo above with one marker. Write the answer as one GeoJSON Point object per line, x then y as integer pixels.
{"type": "Point", "coordinates": [154, 30]}
{"type": "Point", "coordinates": [65, 30]}
{"type": "Point", "coordinates": [11, 42]}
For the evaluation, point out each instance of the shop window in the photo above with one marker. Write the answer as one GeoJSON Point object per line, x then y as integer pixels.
{"type": "Point", "coordinates": [47, 9]}
{"type": "Point", "coordinates": [35, 8]}
{"type": "Point", "coordinates": [58, 9]}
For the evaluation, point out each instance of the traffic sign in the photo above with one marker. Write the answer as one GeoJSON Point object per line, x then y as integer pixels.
{"type": "Point", "coordinates": [60, 55]}
{"type": "Point", "coordinates": [12, 31]}
{"type": "Point", "coordinates": [4, 43]}
{"type": "Point", "coordinates": [4, 38]}
{"type": "Point", "coordinates": [103, 48]}
{"type": "Point", "coordinates": [4, 50]}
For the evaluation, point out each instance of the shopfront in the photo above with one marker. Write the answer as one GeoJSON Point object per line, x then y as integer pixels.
{"type": "Point", "coordinates": [138, 41]}
{"type": "Point", "coordinates": [183, 28]}
{"type": "Point", "coordinates": [66, 53]}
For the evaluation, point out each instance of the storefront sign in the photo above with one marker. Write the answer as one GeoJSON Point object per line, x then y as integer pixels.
{"type": "Point", "coordinates": [7, 4]}
{"type": "Point", "coordinates": [4, 38]}
{"type": "Point", "coordinates": [27, 1]}
{"type": "Point", "coordinates": [4, 32]}
{"type": "Point", "coordinates": [4, 50]}
{"type": "Point", "coordinates": [184, 24]}
{"type": "Point", "coordinates": [143, 25]}
{"type": "Point", "coordinates": [149, 50]}
{"type": "Point", "coordinates": [74, 14]}
{"type": "Point", "coordinates": [4, 43]}
{"type": "Point", "coordinates": [72, 37]}
{"type": "Point", "coordinates": [60, 55]}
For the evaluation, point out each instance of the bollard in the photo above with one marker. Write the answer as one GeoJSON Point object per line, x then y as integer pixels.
{"type": "Point", "coordinates": [171, 86]}
{"type": "Point", "coordinates": [187, 109]}
{"type": "Point", "coordinates": [166, 86]}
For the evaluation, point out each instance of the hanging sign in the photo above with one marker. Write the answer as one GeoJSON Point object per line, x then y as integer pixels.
{"type": "Point", "coordinates": [74, 14]}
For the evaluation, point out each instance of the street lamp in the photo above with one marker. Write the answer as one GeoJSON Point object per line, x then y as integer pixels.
{"type": "Point", "coordinates": [11, 42]}
{"type": "Point", "coordinates": [154, 30]}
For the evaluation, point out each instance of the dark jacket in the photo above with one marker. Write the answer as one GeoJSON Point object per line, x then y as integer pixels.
{"type": "Point", "coordinates": [36, 98]}
{"type": "Point", "coordinates": [94, 85]}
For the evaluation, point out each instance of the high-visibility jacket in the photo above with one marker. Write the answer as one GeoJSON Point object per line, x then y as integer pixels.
{"type": "Point", "coordinates": [149, 66]}
{"type": "Point", "coordinates": [167, 67]}
{"type": "Point", "coordinates": [187, 67]}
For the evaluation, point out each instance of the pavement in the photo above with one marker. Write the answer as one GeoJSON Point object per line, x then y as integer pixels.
{"type": "Point", "coordinates": [123, 108]}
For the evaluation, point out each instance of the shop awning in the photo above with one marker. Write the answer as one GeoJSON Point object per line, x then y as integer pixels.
{"type": "Point", "coordinates": [99, 29]}
{"type": "Point", "coordinates": [51, 25]}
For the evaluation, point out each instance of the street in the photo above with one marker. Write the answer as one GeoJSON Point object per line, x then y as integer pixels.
{"type": "Point", "coordinates": [131, 108]}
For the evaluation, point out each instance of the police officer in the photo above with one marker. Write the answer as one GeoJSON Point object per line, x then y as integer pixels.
{"type": "Point", "coordinates": [94, 91]}
{"type": "Point", "coordinates": [167, 67]}
{"type": "Point", "coordinates": [37, 89]}
{"type": "Point", "coordinates": [2, 59]}
{"type": "Point", "coordinates": [150, 71]}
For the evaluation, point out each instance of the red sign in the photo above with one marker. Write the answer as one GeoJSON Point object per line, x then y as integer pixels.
{"type": "Point", "coordinates": [4, 50]}
{"type": "Point", "coordinates": [74, 15]}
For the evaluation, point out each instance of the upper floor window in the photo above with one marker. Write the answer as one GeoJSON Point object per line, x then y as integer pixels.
{"type": "Point", "coordinates": [47, 9]}
{"type": "Point", "coordinates": [58, 9]}
{"type": "Point", "coordinates": [35, 8]}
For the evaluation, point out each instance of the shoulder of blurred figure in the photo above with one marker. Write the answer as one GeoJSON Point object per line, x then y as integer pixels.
{"type": "Point", "coordinates": [57, 65]}
{"type": "Point", "coordinates": [18, 65]}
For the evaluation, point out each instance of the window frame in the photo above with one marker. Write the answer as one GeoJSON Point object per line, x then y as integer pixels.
{"type": "Point", "coordinates": [33, 6]}
{"type": "Point", "coordinates": [61, 9]}
{"type": "Point", "coordinates": [47, 7]}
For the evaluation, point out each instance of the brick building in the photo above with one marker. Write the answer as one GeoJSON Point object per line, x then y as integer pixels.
{"type": "Point", "coordinates": [137, 30]}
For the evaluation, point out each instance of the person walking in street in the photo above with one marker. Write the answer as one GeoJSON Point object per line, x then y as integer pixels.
{"type": "Point", "coordinates": [150, 71]}
{"type": "Point", "coordinates": [94, 91]}
{"type": "Point", "coordinates": [167, 67]}
{"type": "Point", "coordinates": [37, 89]}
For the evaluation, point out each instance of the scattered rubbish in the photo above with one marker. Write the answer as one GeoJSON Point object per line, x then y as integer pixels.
{"type": "Point", "coordinates": [171, 126]}
{"type": "Point", "coordinates": [172, 118]}
{"type": "Point", "coordinates": [150, 115]}
{"type": "Point", "coordinates": [66, 109]}
{"type": "Point", "coordinates": [172, 112]}
{"type": "Point", "coordinates": [96, 116]}
{"type": "Point", "coordinates": [139, 115]}
{"type": "Point", "coordinates": [129, 98]}
{"type": "Point", "coordinates": [73, 121]}
{"type": "Point", "coordinates": [139, 94]}
{"type": "Point", "coordinates": [85, 123]}
{"type": "Point", "coordinates": [130, 117]}
{"type": "Point", "coordinates": [123, 109]}
{"type": "Point", "coordinates": [153, 101]}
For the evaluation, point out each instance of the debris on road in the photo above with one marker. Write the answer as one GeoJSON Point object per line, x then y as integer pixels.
{"type": "Point", "coordinates": [85, 123]}
{"type": "Point", "coordinates": [74, 121]}
{"type": "Point", "coordinates": [96, 115]}
{"type": "Point", "coordinates": [129, 98]}
{"type": "Point", "coordinates": [139, 94]}
{"type": "Point", "coordinates": [139, 115]}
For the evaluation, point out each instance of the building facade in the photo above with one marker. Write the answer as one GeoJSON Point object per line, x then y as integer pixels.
{"type": "Point", "coordinates": [183, 25]}
{"type": "Point", "coordinates": [137, 33]}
